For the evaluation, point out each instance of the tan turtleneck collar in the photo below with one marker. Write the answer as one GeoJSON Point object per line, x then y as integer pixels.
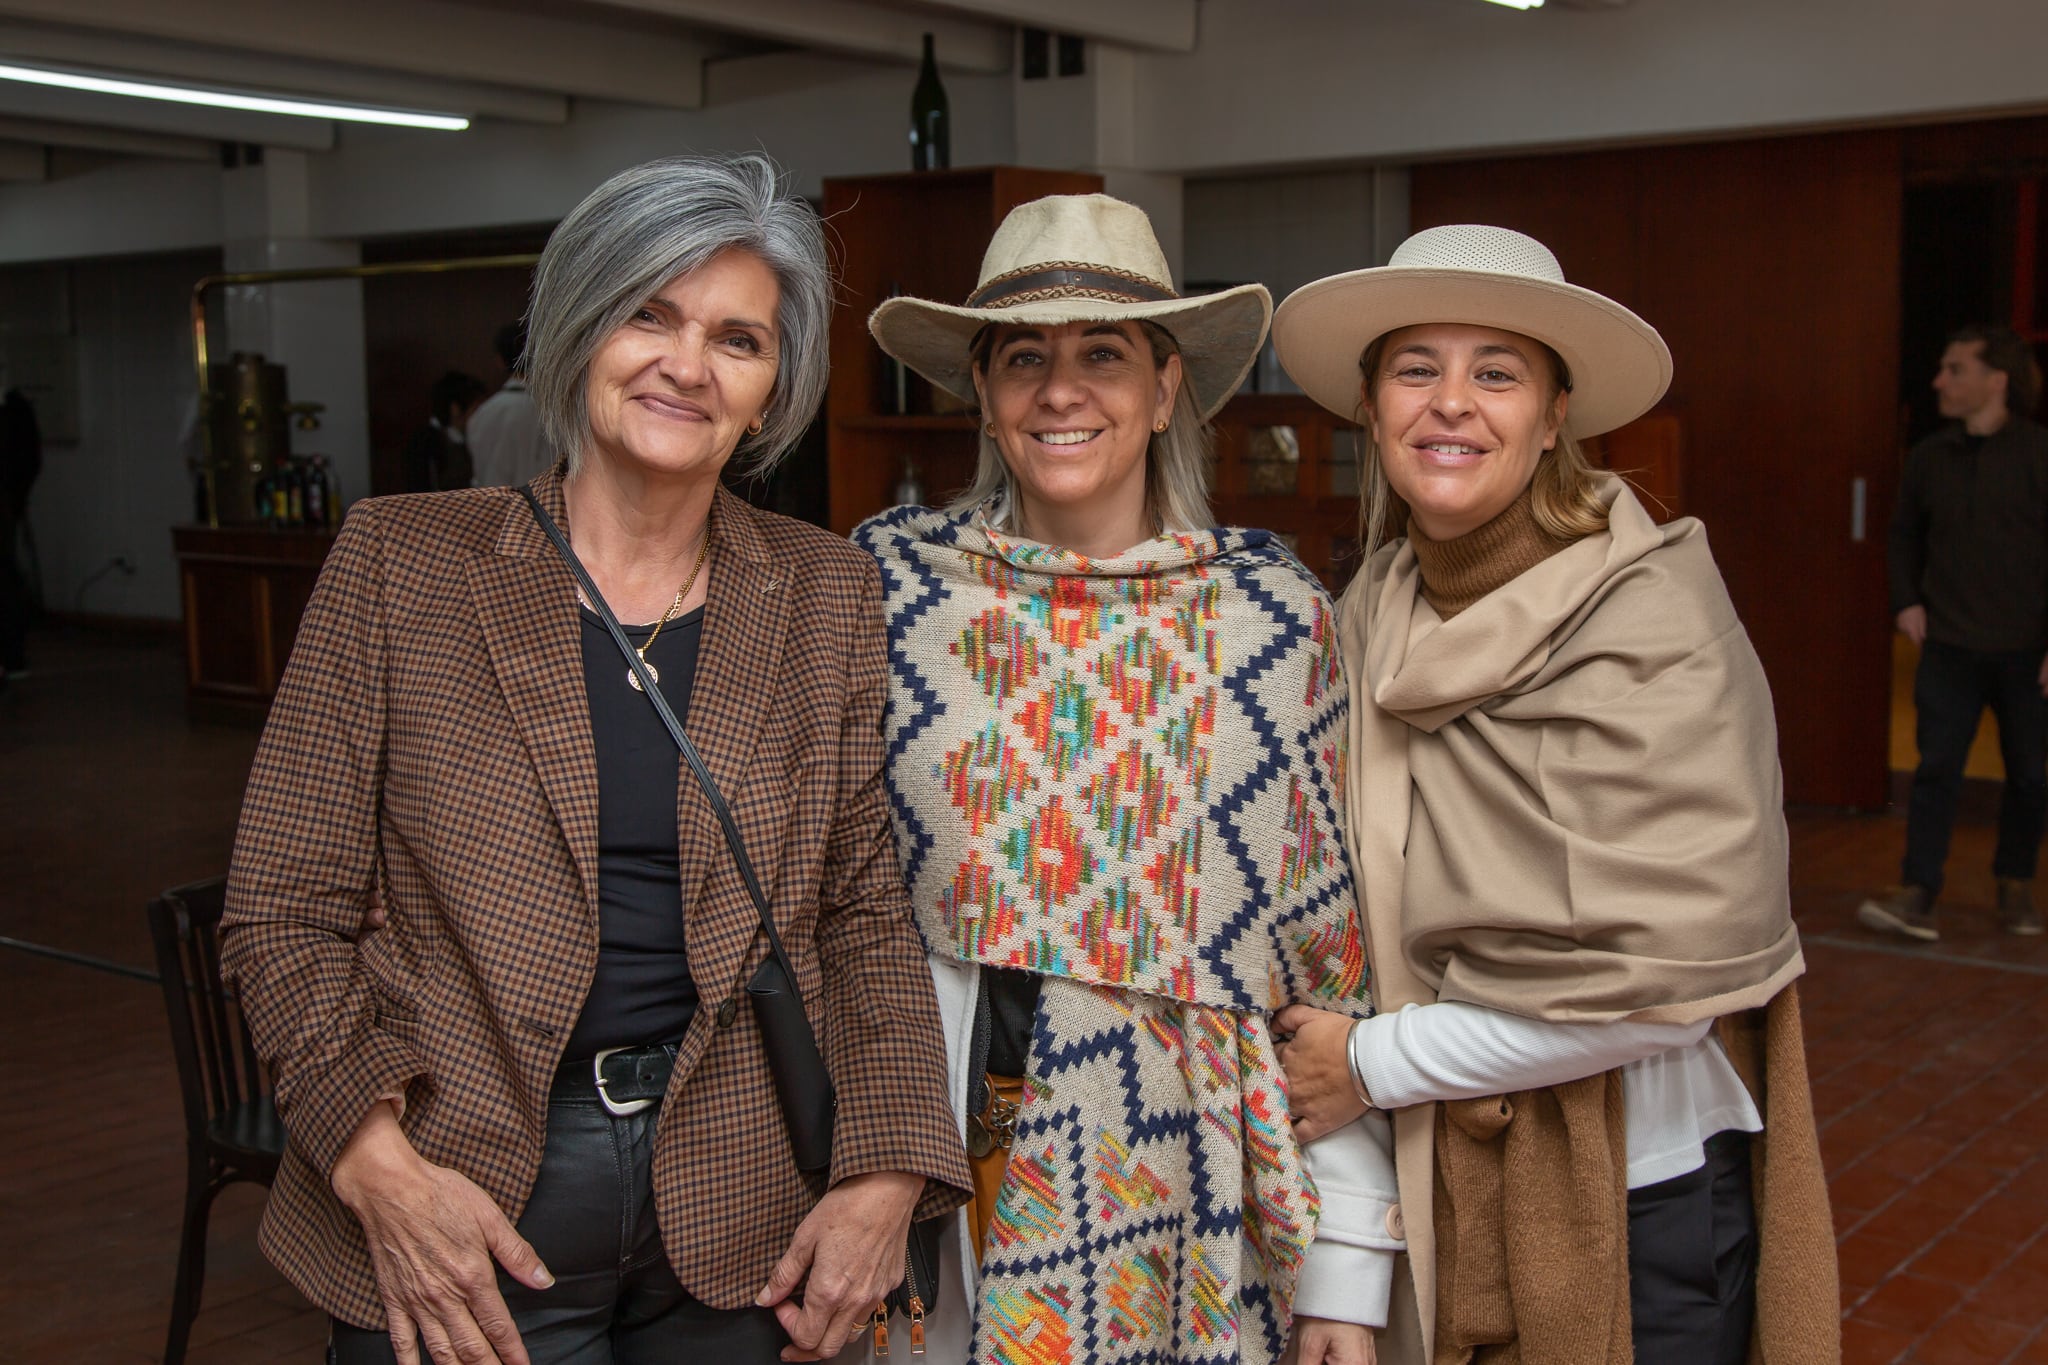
{"type": "Point", "coordinates": [1459, 571]}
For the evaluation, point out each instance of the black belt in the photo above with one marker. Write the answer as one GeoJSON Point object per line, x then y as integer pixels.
{"type": "Point", "coordinates": [625, 1080]}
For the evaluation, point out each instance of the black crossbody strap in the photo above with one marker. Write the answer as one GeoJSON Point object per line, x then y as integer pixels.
{"type": "Point", "coordinates": [668, 718]}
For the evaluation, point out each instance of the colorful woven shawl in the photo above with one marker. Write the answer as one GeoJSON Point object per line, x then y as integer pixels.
{"type": "Point", "coordinates": [1125, 774]}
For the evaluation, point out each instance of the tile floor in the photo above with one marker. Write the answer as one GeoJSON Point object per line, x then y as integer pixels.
{"type": "Point", "coordinates": [1929, 1076]}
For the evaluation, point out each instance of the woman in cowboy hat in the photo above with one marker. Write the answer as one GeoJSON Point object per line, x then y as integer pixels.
{"type": "Point", "coordinates": [1114, 751]}
{"type": "Point", "coordinates": [1565, 813]}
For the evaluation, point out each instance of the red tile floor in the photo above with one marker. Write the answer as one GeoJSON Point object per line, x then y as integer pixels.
{"type": "Point", "coordinates": [1929, 1077]}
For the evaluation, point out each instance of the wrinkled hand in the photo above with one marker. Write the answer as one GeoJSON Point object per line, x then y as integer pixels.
{"type": "Point", "coordinates": [1319, 1341]}
{"type": "Point", "coordinates": [1319, 1090]}
{"type": "Point", "coordinates": [1912, 623]}
{"type": "Point", "coordinates": [432, 1236]}
{"type": "Point", "coordinates": [847, 1255]}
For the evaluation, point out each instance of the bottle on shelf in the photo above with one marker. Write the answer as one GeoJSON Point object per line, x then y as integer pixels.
{"type": "Point", "coordinates": [331, 497]}
{"type": "Point", "coordinates": [930, 131]}
{"type": "Point", "coordinates": [294, 494]}
{"type": "Point", "coordinates": [263, 497]}
{"type": "Point", "coordinates": [909, 488]}
{"type": "Point", "coordinates": [316, 493]}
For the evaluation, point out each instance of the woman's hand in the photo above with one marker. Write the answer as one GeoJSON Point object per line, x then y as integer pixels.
{"type": "Point", "coordinates": [1318, 1065]}
{"type": "Point", "coordinates": [432, 1236]}
{"type": "Point", "coordinates": [847, 1255]}
{"type": "Point", "coordinates": [1320, 1341]}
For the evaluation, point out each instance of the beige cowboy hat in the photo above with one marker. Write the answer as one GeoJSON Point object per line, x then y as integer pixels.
{"type": "Point", "coordinates": [1485, 277]}
{"type": "Point", "coordinates": [1080, 258]}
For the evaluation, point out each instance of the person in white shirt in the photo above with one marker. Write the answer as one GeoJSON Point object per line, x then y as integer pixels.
{"type": "Point", "coordinates": [505, 438]}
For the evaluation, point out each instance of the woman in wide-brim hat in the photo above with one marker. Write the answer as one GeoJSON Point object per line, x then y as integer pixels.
{"type": "Point", "coordinates": [1114, 734]}
{"type": "Point", "coordinates": [1565, 815]}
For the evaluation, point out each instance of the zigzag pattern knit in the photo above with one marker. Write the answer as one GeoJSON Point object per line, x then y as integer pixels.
{"type": "Point", "coordinates": [1125, 774]}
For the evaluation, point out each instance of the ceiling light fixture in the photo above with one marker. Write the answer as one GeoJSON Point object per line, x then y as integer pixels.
{"type": "Point", "coordinates": [222, 99]}
{"type": "Point", "coordinates": [1520, 4]}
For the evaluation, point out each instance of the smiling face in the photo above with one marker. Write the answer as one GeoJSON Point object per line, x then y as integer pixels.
{"type": "Point", "coordinates": [672, 391]}
{"type": "Point", "coordinates": [1460, 416]}
{"type": "Point", "coordinates": [1074, 409]}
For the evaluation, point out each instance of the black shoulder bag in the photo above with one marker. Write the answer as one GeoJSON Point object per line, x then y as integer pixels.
{"type": "Point", "coordinates": [802, 1084]}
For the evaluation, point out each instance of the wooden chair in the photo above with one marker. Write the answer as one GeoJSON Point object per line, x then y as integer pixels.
{"type": "Point", "coordinates": [232, 1130]}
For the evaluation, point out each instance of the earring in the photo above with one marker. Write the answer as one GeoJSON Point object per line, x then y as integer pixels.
{"type": "Point", "coordinates": [754, 427]}
{"type": "Point", "coordinates": [989, 430]}
{"type": "Point", "coordinates": [1160, 425]}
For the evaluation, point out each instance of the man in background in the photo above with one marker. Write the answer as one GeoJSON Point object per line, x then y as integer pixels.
{"type": "Point", "coordinates": [504, 434]}
{"type": "Point", "coordinates": [437, 457]}
{"type": "Point", "coordinates": [1969, 585]}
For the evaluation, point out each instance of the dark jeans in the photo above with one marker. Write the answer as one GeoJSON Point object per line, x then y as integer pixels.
{"type": "Point", "coordinates": [615, 1300]}
{"type": "Point", "coordinates": [1692, 1261]}
{"type": "Point", "coordinates": [1950, 691]}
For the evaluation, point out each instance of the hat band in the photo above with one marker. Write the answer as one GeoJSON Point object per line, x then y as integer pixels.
{"type": "Point", "coordinates": [1068, 281]}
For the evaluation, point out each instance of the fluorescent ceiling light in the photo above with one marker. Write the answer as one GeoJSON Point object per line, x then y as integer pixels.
{"type": "Point", "coordinates": [222, 99]}
{"type": "Point", "coordinates": [1520, 4]}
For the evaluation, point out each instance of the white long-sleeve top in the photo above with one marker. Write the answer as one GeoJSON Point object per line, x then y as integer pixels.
{"type": "Point", "coordinates": [1678, 1086]}
{"type": "Point", "coordinates": [1348, 1272]}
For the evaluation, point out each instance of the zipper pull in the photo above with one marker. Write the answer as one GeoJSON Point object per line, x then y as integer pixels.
{"type": "Point", "coordinates": [881, 1331]}
{"type": "Point", "coordinates": [916, 1325]}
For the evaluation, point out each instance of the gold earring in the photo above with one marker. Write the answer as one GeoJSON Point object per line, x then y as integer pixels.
{"type": "Point", "coordinates": [989, 430]}
{"type": "Point", "coordinates": [1160, 425]}
{"type": "Point", "coordinates": [754, 427]}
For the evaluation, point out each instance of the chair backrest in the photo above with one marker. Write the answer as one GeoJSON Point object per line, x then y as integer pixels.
{"type": "Point", "coordinates": [217, 1066]}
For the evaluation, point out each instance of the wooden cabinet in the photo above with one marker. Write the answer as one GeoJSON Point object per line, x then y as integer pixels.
{"type": "Point", "coordinates": [244, 589]}
{"type": "Point", "coordinates": [923, 235]}
{"type": "Point", "coordinates": [1289, 465]}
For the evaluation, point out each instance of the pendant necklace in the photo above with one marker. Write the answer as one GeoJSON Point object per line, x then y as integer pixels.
{"type": "Point", "coordinates": [632, 678]}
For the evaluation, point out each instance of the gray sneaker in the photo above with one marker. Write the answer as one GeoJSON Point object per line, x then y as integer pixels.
{"type": "Point", "coordinates": [1904, 910]}
{"type": "Point", "coordinates": [2016, 912]}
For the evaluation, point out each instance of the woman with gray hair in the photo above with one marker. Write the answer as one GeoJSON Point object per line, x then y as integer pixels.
{"type": "Point", "coordinates": [1115, 744]}
{"type": "Point", "coordinates": [537, 1054]}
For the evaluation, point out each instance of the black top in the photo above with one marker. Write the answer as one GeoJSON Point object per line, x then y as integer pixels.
{"type": "Point", "coordinates": [642, 992]}
{"type": "Point", "coordinates": [1969, 540]}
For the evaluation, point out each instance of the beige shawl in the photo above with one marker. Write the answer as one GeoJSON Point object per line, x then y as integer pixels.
{"type": "Point", "coordinates": [1565, 801]}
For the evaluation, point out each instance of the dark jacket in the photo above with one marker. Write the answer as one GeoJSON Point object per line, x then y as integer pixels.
{"type": "Point", "coordinates": [1969, 539]}
{"type": "Point", "coordinates": [431, 737]}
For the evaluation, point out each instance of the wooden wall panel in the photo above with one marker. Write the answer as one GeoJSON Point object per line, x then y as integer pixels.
{"type": "Point", "coordinates": [1772, 269]}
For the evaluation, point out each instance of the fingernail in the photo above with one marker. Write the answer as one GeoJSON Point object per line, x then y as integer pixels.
{"type": "Point", "coordinates": [547, 1279]}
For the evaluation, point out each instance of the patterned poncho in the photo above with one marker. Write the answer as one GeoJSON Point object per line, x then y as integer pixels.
{"type": "Point", "coordinates": [1124, 774]}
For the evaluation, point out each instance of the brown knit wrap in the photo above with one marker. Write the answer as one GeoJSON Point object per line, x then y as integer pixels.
{"type": "Point", "coordinates": [1531, 1216]}
{"type": "Point", "coordinates": [1459, 571]}
{"type": "Point", "coordinates": [1532, 1227]}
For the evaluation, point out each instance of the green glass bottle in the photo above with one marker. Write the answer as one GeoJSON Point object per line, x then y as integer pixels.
{"type": "Point", "coordinates": [930, 140]}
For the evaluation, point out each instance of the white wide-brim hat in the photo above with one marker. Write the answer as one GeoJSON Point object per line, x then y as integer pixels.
{"type": "Point", "coordinates": [1483, 277]}
{"type": "Point", "coordinates": [1080, 258]}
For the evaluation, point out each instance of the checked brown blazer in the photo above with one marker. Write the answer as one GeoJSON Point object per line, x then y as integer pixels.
{"type": "Point", "coordinates": [431, 736]}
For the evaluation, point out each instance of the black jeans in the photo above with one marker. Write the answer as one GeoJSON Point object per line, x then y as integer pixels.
{"type": "Point", "coordinates": [1950, 691]}
{"type": "Point", "coordinates": [615, 1301]}
{"type": "Point", "coordinates": [1692, 1261]}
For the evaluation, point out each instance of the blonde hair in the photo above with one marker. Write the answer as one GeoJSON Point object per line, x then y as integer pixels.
{"type": "Point", "coordinates": [1562, 491]}
{"type": "Point", "coordinates": [1176, 460]}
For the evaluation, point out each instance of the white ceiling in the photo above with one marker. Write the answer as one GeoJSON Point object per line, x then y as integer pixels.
{"type": "Point", "coordinates": [520, 60]}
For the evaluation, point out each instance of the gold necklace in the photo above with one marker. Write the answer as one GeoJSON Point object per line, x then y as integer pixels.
{"type": "Point", "coordinates": [703, 549]}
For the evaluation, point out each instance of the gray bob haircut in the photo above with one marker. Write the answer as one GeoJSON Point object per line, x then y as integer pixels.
{"type": "Point", "coordinates": [641, 229]}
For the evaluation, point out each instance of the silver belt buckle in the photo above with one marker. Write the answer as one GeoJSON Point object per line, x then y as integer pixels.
{"type": "Point", "coordinates": [618, 1109]}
